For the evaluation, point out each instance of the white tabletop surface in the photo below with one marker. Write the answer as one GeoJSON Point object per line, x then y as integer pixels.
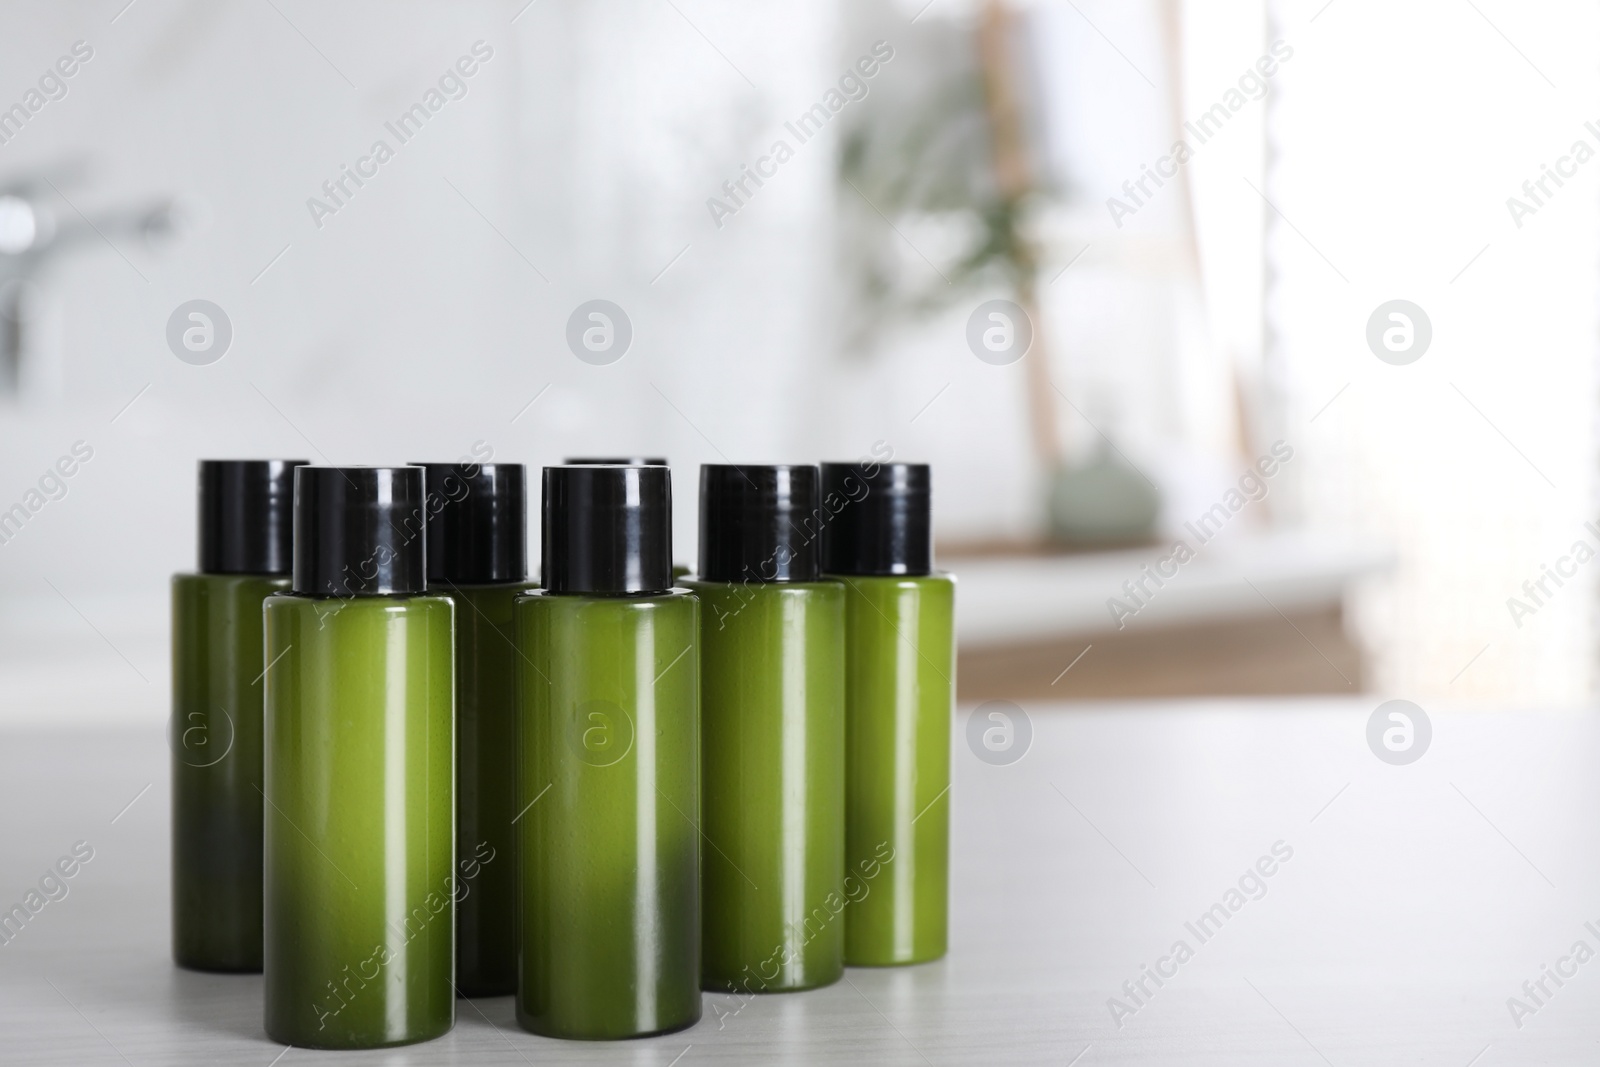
{"type": "Point", "coordinates": [1417, 901]}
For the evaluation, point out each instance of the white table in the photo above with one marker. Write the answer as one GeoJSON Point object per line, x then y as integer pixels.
{"type": "Point", "coordinates": [1418, 899]}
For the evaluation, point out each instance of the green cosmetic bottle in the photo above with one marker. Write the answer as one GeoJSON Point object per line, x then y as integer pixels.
{"type": "Point", "coordinates": [899, 697]}
{"type": "Point", "coordinates": [608, 846]}
{"type": "Point", "coordinates": [478, 557]}
{"type": "Point", "coordinates": [360, 772]}
{"type": "Point", "coordinates": [245, 533]}
{"type": "Point", "coordinates": [772, 735]}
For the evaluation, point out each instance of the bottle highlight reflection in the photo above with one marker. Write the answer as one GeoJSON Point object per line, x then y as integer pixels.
{"type": "Point", "coordinates": [360, 771]}
{"type": "Point", "coordinates": [609, 755]}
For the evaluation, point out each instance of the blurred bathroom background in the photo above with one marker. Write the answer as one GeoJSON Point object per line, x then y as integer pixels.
{"type": "Point", "coordinates": [1197, 365]}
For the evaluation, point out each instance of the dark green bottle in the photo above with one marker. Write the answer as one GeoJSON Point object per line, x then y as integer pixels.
{"type": "Point", "coordinates": [772, 735]}
{"type": "Point", "coordinates": [899, 697]}
{"type": "Point", "coordinates": [478, 557]}
{"type": "Point", "coordinates": [245, 528]}
{"type": "Point", "coordinates": [609, 758]}
{"type": "Point", "coordinates": [360, 873]}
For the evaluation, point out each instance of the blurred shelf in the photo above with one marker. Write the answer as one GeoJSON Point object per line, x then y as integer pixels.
{"type": "Point", "coordinates": [1298, 654]}
{"type": "Point", "coordinates": [1026, 596]}
{"type": "Point", "coordinates": [1253, 614]}
{"type": "Point", "coordinates": [1023, 612]}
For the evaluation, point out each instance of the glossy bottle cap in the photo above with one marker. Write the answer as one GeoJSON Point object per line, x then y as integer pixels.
{"type": "Point", "coordinates": [635, 461]}
{"type": "Point", "coordinates": [607, 530]}
{"type": "Point", "coordinates": [880, 519]}
{"type": "Point", "coordinates": [359, 531]}
{"type": "Point", "coordinates": [759, 524]}
{"type": "Point", "coordinates": [477, 522]}
{"type": "Point", "coordinates": [247, 515]}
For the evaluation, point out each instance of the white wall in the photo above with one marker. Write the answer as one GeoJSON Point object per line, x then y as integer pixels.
{"type": "Point", "coordinates": [1395, 163]}
{"type": "Point", "coordinates": [429, 311]}
{"type": "Point", "coordinates": [406, 327]}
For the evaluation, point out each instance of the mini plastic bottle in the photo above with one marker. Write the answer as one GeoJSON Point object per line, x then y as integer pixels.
{"type": "Point", "coordinates": [772, 734]}
{"type": "Point", "coordinates": [245, 534]}
{"type": "Point", "coordinates": [360, 772]}
{"type": "Point", "coordinates": [478, 557]}
{"type": "Point", "coordinates": [609, 787]}
{"type": "Point", "coordinates": [899, 696]}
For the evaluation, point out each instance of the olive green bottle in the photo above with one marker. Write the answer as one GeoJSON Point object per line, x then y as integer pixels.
{"type": "Point", "coordinates": [608, 846]}
{"type": "Point", "coordinates": [772, 735]}
{"type": "Point", "coordinates": [899, 697]}
{"type": "Point", "coordinates": [245, 530]}
{"type": "Point", "coordinates": [360, 772]}
{"type": "Point", "coordinates": [478, 557]}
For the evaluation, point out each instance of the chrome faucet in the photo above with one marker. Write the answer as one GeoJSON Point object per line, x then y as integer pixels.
{"type": "Point", "coordinates": [33, 235]}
